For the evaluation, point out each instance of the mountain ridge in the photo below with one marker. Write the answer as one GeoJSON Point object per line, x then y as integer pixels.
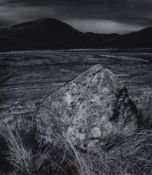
{"type": "Point", "coordinates": [50, 33]}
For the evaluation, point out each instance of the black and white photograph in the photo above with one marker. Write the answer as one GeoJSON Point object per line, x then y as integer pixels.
{"type": "Point", "coordinates": [75, 87]}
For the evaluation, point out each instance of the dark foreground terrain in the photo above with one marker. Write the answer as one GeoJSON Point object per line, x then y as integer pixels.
{"type": "Point", "coordinates": [30, 75]}
{"type": "Point", "coordinates": [27, 77]}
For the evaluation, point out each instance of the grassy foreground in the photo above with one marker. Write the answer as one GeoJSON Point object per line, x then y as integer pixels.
{"type": "Point", "coordinates": [22, 154]}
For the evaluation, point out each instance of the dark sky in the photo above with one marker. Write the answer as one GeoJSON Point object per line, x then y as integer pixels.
{"type": "Point", "coordinates": [101, 16]}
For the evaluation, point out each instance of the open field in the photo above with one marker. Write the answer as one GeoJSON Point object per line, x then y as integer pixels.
{"type": "Point", "coordinates": [29, 76]}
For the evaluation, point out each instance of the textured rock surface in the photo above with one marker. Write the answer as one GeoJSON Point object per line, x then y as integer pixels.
{"type": "Point", "coordinates": [88, 109]}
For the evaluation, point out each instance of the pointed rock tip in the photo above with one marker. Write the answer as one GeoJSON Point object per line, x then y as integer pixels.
{"type": "Point", "coordinates": [90, 72]}
{"type": "Point", "coordinates": [95, 68]}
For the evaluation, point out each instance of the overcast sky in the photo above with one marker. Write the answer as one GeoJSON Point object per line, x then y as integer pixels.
{"type": "Point", "coordinates": [101, 16]}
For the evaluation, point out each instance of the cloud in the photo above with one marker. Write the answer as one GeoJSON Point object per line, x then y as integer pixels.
{"type": "Point", "coordinates": [17, 14]}
{"type": "Point", "coordinates": [93, 15]}
{"type": "Point", "coordinates": [103, 26]}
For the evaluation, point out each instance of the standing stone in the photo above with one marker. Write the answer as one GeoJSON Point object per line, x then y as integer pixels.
{"type": "Point", "coordinates": [90, 108]}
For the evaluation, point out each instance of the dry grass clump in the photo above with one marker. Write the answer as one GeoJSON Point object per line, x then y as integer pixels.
{"type": "Point", "coordinates": [131, 156]}
{"type": "Point", "coordinates": [23, 154]}
{"type": "Point", "coordinates": [19, 157]}
{"type": "Point", "coordinates": [39, 159]}
{"type": "Point", "coordinates": [144, 105]}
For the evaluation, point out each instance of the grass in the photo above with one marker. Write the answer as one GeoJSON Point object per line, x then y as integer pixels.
{"type": "Point", "coordinates": [19, 157]}
{"type": "Point", "coordinates": [131, 155]}
{"type": "Point", "coordinates": [39, 159]}
{"type": "Point", "coordinates": [144, 104]}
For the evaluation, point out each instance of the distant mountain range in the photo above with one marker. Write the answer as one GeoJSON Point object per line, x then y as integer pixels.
{"type": "Point", "coordinates": [50, 33]}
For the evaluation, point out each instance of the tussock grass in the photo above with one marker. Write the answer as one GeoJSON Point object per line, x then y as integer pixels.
{"type": "Point", "coordinates": [19, 157]}
{"type": "Point", "coordinates": [144, 105]}
{"type": "Point", "coordinates": [119, 155]}
{"type": "Point", "coordinates": [133, 156]}
{"type": "Point", "coordinates": [40, 159]}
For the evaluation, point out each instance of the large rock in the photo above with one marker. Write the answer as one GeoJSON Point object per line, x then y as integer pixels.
{"type": "Point", "coordinates": [93, 106]}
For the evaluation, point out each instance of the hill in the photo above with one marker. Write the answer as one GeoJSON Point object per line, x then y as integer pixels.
{"type": "Point", "coordinates": [48, 33]}
{"type": "Point", "coordinates": [139, 39]}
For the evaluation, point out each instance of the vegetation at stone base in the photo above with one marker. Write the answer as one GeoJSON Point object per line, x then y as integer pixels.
{"type": "Point", "coordinates": [28, 157]}
{"type": "Point", "coordinates": [144, 104]}
{"type": "Point", "coordinates": [119, 155]}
